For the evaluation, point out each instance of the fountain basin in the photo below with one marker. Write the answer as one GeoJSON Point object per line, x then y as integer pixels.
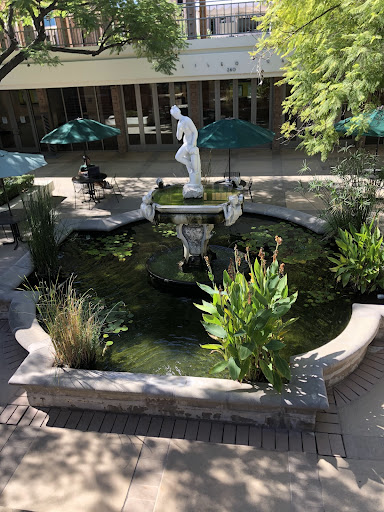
{"type": "Point", "coordinates": [194, 218]}
{"type": "Point", "coordinates": [187, 397]}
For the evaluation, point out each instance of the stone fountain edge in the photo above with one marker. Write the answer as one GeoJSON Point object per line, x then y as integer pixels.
{"type": "Point", "coordinates": [185, 397]}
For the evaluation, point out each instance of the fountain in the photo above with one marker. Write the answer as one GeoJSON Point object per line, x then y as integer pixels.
{"type": "Point", "coordinates": [194, 209]}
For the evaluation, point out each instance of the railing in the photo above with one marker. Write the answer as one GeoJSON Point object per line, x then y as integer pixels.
{"type": "Point", "coordinates": [199, 20]}
{"type": "Point", "coordinates": [202, 19]}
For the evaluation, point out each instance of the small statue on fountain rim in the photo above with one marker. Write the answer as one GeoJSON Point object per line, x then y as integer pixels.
{"type": "Point", "coordinates": [188, 154]}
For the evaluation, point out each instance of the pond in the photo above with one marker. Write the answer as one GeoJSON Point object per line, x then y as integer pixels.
{"type": "Point", "coordinates": [165, 332]}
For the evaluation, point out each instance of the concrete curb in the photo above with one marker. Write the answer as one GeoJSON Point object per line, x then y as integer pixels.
{"type": "Point", "coordinates": [186, 397]}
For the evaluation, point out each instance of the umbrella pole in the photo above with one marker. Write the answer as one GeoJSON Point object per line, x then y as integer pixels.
{"type": "Point", "coordinates": [377, 146]}
{"type": "Point", "coordinates": [229, 164]}
{"type": "Point", "coordinates": [6, 197]}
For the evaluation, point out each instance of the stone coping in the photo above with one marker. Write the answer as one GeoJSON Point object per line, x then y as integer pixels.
{"type": "Point", "coordinates": [193, 208]}
{"type": "Point", "coordinates": [186, 397]}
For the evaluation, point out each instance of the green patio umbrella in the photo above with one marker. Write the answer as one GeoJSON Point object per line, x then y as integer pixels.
{"type": "Point", "coordinates": [233, 133]}
{"type": "Point", "coordinates": [374, 121]}
{"type": "Point", "coordinates": [80, 130]}
{"type": "Point", "coordinates": [17, 164]}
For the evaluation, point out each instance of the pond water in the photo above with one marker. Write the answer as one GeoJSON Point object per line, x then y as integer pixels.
{"type": "Point", "coordinates": [165, 334]}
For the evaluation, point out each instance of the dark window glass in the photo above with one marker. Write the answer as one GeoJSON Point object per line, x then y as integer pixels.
{"type": "Point", "coordinates": [208, 89]}
{"type": "Point", "coordinates": [262, 98]}
{"type": "Point", "coordinates": [245, 100]}
{"type": "Point", "coordinates": [132, 115]}
{"type": "Point", "coordinates": [7, 139]}
{"type": "Point", "coordinates": [164, 112]}
{"type": "Point", "coordinates": [226, 98]}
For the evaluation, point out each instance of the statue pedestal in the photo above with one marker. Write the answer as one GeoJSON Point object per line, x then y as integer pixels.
{"type": "Point", "coordinates": [191, 191]}
{"type": "Point", "coordinates": [195, 238]}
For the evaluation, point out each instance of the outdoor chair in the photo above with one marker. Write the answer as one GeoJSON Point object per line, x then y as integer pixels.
{"type": "Point", "coordinates": [113, 187]}
{"type": "Point", "coordinates": [116, 185]}
{"type": "Point", "coordinates": [249, 187]}
{"type": "Point", "coordinates": [80, 192]}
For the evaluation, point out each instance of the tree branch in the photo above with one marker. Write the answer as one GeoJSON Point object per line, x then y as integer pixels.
{"type": "Point", "coordinates": [93, 53]}
{"type": "Point", "coordinates": [314, 19]}
{"type": "Point", "coordinates": [11, 64]}
{"type": "Point", "coordinates": [6, 53]}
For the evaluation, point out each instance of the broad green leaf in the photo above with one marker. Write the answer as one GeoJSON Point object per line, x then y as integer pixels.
{"type": "Point", "coordinates": [275, 345]}
{"type": "Point", "coordinates": [244, 352]}
{"type": "Point", "coordinates": [219, 367]}
{"type": "Point", "coordinates": [206, 288]}
{"type": "Point", "coordinates": [215, 330]}
{"type": "Point", "coordinates": [207, 307]}
{"type": "Point", "coordinates": [267, 370]}
{"type": "Point", "coordinates": [234, 370]}
{"type": "Point", "coordinates": [212, 346]}
{"type": "Point", "coordinates": [282, 366]}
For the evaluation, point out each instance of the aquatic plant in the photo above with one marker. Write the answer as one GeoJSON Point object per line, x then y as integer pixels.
{"type": "Point", "coordinates": [245, 319]}
{"type": "Point", "coordinates": [300, 245]}
{"type": "Point", "coordinates": [350, 198]}
{"type": "Point", "coordinates": [360, 261]}
{"type": "Point", "coordinates": [166, 230]}
{"type": "Point", "coordinates": [114, 245]}
{"type": "Point", "coordinates": [78, 324]}
{"type": "Point", "coordinates": [43, 240]}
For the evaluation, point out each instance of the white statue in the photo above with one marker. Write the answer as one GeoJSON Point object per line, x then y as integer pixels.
{"type": "Point", "coordinates": [233, 210]}
{"type": "Point", "coordinates": [147, 208]}
{"type": "Point", "coordinates": [188, 154]}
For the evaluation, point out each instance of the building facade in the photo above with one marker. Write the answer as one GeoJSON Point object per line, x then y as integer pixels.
{"type": "Point", "coordinates": [215, 78]}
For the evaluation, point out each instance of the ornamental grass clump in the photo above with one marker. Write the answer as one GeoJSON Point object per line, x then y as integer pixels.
{"type": "Point", "coordinates": [74, 323]}
{"type": "Point", "coordinates": [44, 237]}
{"type": "Point", "coordinates": [245, 319]}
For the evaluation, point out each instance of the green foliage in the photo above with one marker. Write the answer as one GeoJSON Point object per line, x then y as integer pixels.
{"type": "Point", "coordinates": [113, 245]}
{"type": "Point", "coordinates": [44, 238]}
{"type": "Point", "coordinates": [166, 230]}
{"type": "Point", "coordinates": [350, 198]}
{"type": "Point", "coordinates": [300, 245]}
{"type": "Point", "coordinates": [149, 27]}
{"type": "Point", "coordinates": [245, 320]}
{"type": "Point", "coordinates": [74, 322]}
{"type": "Point", "coordinates": [333, 54]}
{"type": "Point", "coordinates": [15, 185]}
{"type": "Point", "coordinates": [360, 261]}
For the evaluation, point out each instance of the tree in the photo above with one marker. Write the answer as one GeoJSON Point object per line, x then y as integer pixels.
{"type": "Point", "coordinates": [149, 26]}
{"type": "Point", "coordinates": [334, 59]}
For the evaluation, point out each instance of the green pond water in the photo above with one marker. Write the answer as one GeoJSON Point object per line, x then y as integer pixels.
{"type": "Point", "coordinates": [213, 194]}
{"type": "Point", "coordinates": [165, 332]}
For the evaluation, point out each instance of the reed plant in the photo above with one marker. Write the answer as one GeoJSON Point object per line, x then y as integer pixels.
{"type": "Point", "coordinates": [350, 197]}
{"type": "Point", "coordinates": [43, 239]}
{"type": "Point", "coordinates": [74, 322]}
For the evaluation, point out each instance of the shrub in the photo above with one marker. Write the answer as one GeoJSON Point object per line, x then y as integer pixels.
{"type": "Point", "coordinates": [74, 323]}
{"type": "Point", "coordinates": [43, 241]}
{"type": "Point", "coordinates": [351, 198]}
{"type": "Point", "coordinates": [15, 185]}
{"type": "Point", "coordinates": [360, 261]}
{"type": "Point", "coordinates": [245, 319]}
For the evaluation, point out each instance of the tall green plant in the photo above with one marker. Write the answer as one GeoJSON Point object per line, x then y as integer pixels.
{"type": "Point", "coordinates": [350, 198]}
{"type": "Point", "coordinates": [75, 324]}
{"type": "Point", "coordinates": [360, 261]}
{"type": "Point", "coordinates": [245, 319]}
{"type": "Point", "coordinates": [43, 240]}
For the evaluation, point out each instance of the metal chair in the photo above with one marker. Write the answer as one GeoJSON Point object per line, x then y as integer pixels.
{"type": "Point", "coordinates": [80, 190]}
{"type": "Point", "coordinates": [249, 186]}
{"type": "Point", "coordinates": [113, 186]}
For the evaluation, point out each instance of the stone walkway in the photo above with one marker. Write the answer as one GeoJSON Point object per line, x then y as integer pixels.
{"type": "Point", "coordinates": [66, 460]}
